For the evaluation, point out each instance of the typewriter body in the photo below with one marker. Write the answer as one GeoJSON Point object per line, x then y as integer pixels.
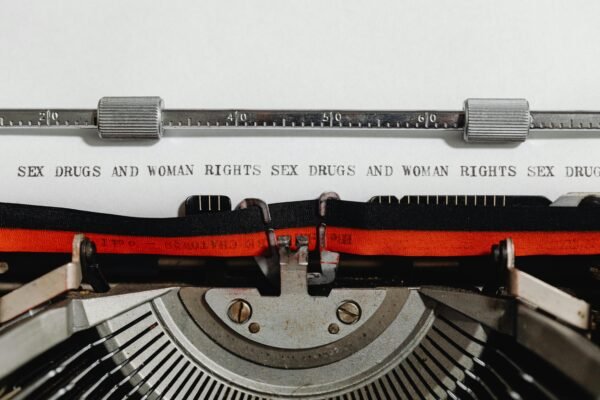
{"type": "Point", "coordinates": [401, 296]}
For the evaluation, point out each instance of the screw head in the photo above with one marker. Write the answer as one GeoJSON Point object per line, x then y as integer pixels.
{"type": "Point", "coordinates": [88, 252]}
{"type": "Point", "coordinates": [254, 327]}
{"type": "Point", "coordinates": [239, 311]}
{"type": "Point", "coordinates": [348, 312]}
{"type": "Point", "coordinates": [89, 248]}
{"type": "Point", "coordinates": [595, 271]}
{"type": "Point", "coordinates": [334, 329]}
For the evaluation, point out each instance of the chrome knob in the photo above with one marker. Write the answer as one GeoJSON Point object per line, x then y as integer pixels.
{"type": "Point", "coordinates": [496, 120]}
{"type": "Point", "coordinates": [130, 117]}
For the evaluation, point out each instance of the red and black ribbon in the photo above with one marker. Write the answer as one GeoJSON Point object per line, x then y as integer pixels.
{"type": "Point", "coordinates": [352, 227]}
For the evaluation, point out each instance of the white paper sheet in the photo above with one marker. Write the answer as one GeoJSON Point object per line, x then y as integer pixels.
{"type": "Point", "coordinates": [273, 54]}
{"type": "Point", "coordinates": [246, 166]}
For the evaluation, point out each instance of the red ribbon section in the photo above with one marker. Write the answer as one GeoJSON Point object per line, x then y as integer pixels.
{"type": "Point", "coordinates": [411, 243]}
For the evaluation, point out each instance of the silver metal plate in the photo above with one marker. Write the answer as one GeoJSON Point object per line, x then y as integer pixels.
{"type": "Point", "coordinates": [294, 320]}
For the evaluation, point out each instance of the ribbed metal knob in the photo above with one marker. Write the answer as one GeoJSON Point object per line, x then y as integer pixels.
{"type": "Point", "coordinates": [496, 120]}
{"type": "Point", "coordinates": [130, 117]}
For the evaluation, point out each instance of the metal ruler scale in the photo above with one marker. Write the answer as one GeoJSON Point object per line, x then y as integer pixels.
{"type": "Point", "coordinates": [481, 120]}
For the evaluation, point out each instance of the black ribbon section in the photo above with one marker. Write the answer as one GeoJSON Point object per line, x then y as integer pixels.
{"type": "Point", "coordinates": [467, 218]}
{"type": "Point", "coordinates": [289, 215]}
{"type": "Point", "coordinates": [305, 213]}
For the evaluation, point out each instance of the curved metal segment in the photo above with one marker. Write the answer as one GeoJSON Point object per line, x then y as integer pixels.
{"type": "Point", "coordinates": [171, 346]}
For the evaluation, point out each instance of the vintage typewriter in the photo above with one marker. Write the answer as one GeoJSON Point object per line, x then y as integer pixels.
{"type": "Point", "coordinates": [401, 297]}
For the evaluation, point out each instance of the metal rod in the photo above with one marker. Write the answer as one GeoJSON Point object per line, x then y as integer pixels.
{"type": "Point", "coordinates": [488, 120]}
{"type": "Point", "coordinates": [294, 119]}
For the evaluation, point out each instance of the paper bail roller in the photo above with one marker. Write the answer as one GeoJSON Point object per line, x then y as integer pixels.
{"type": "Point", "coordinates": [496, 120]}
{"type": "Point", "coordinates": [130, 117]}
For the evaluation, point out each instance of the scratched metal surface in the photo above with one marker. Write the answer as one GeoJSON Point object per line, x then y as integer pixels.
{"type": "Point", "coordinates": [253, 120]}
